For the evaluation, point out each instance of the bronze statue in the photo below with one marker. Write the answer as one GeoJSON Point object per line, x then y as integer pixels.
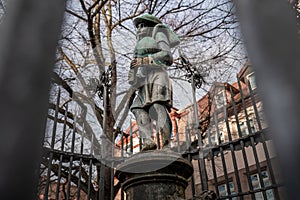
{"type": "Point", "coordinates": [148, 74]}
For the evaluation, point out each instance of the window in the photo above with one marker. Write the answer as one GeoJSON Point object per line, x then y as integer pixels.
{"type": "Point", "coordinates": [223, 190]}
{"type": "Point", "coordinates": [251, 79]}
{"type": "Point", "coordinates": [256, 185]}
{"type": "Point", "coordinates": [220, 99]}
{"type": "Point", "coordinates": [244, 127]}
{"type": "Point", "coordinates": [214, 137]}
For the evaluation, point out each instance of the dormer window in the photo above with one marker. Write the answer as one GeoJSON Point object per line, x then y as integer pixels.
{"type": "Point", "coordinates": [220, 99]}
{"type": "Point", "coordinates": [251, 79]}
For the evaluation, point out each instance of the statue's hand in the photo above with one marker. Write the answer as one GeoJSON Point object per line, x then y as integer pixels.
{"type": "Point", "coordinates": [137, 62]}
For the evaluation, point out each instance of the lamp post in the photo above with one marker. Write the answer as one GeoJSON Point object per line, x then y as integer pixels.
{"type": "Point", "coordinates": [195, 77]}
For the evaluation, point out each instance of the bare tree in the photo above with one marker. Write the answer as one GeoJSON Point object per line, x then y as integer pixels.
{"type": "Point", "coordinates": [98, 39]}
{"type": "Point", "coordinates": [96, 46]}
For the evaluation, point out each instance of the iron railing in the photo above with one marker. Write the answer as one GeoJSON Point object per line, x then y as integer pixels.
{"type": "Point", "coordinates": [269, 60]}
{"type": "Point", "coordinates": [239, 162]}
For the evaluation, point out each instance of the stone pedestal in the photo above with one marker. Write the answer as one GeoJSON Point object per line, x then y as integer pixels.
{"type": "Point", "coordinates": [155, 175]}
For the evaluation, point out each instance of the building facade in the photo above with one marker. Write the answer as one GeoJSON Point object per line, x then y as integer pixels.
{"type": "Point", "coordinates": [236, 144]}
{"type": "Point", "coordinates": [227, 140]}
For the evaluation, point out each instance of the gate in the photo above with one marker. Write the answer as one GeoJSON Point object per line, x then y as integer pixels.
{"type": "Point", "coordinates": [58, 160]}
{"type": "Point", "coordinates": [235, 160]}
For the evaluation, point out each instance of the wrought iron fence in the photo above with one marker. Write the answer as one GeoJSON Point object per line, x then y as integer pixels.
{"type": "Point", "coordinates": [258, 173]}
{"type": "Point", "coordinates": [236, 160]}
{"type": "Point", "coordinates": [240, 163]}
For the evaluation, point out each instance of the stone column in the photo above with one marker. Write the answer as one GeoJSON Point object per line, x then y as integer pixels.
{"type": "Point", "coordinates": [154, 175]}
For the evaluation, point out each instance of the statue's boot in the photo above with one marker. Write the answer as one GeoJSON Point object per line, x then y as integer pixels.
{"type": "Point", "coordinates": [149, 144]}
{"type": "Point", "coordinates": [166, 135]}
{"type": "Point", "coordinates": [166, 145]}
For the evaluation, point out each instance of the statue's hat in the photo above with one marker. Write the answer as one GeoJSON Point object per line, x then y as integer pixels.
{"type": "Point", "coordinates": [146, 18]}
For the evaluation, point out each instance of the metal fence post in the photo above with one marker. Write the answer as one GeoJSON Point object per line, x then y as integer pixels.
{"type": "Point", "coordinates": [203, 174]}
